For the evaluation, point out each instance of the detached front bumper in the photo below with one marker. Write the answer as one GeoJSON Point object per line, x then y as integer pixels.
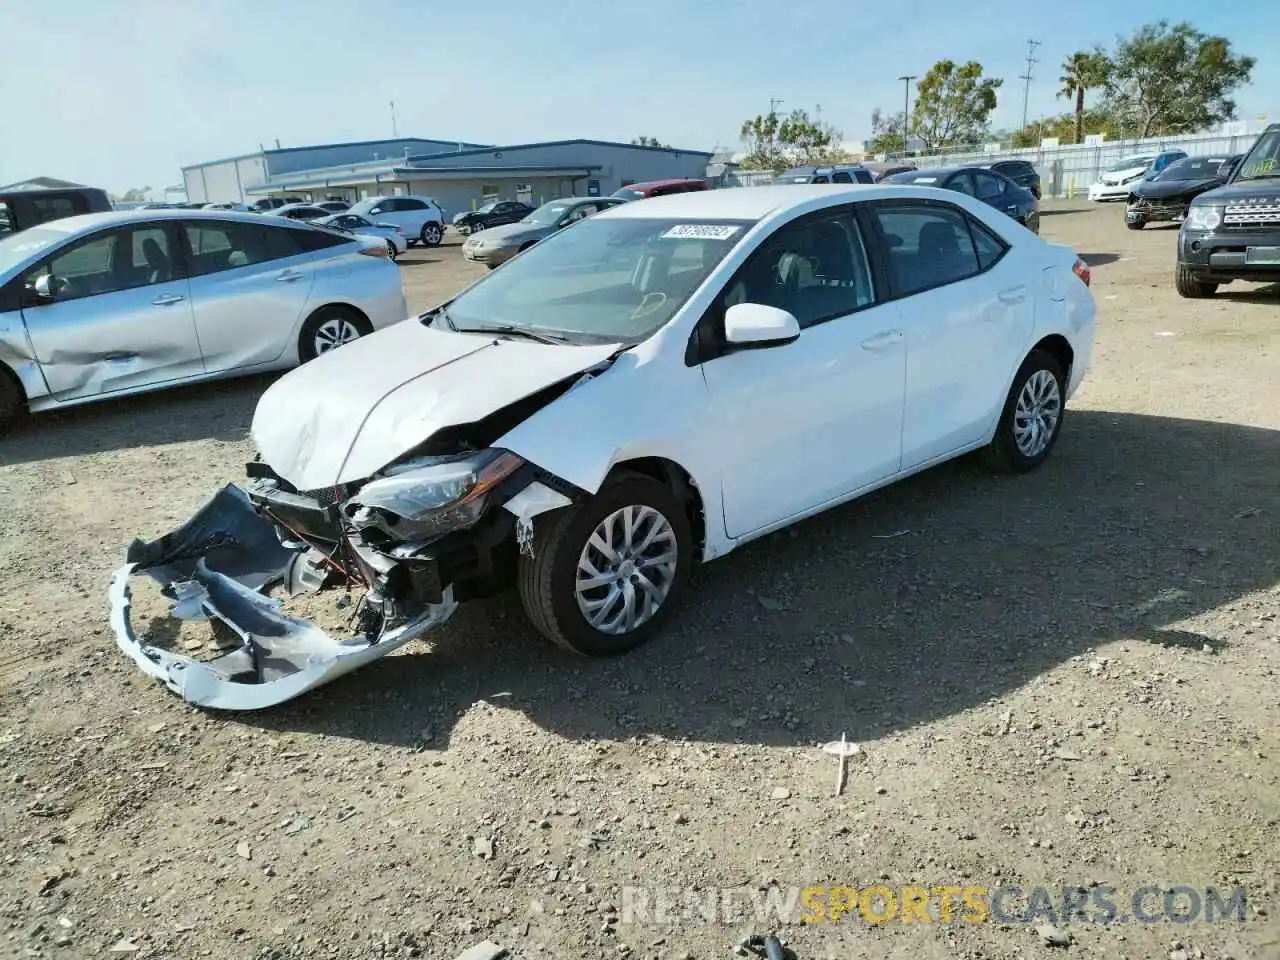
{"type": "Point", "coordinates": [218, 566]}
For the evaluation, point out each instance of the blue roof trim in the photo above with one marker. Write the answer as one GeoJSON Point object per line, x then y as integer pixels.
{"type": "Point", "coordinates": [375, 143]}
{"type": "Point", "coordinates": [502, 148]}
{"type": "Point", "coordinates": [499, 168]}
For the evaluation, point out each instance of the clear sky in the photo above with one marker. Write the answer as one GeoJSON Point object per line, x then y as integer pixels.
{"type": "Point", "coordinates": [123, 93]}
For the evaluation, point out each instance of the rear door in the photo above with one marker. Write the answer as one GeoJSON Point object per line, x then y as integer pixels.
{"type": "Point", "coordinates": [250, 284]}
{"type": "Point", "coordinates": [120, 317]}
{"type": "Point", "coordinates": [967, 311]}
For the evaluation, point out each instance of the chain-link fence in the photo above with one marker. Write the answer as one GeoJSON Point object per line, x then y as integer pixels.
{"type": "Point", "coordinates": [1065, 170]}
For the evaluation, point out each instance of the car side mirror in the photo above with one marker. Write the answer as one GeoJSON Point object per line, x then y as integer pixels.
{"type": "Point", "coordinates": [44, 287]}
{"type": "Point", "coordinates": [759, 325]}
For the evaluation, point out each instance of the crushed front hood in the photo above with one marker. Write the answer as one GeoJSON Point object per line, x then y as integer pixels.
{"type": "Point", "coordinates": [1167, 189]}
{"type": "Point", "coordinates": [346, 414]}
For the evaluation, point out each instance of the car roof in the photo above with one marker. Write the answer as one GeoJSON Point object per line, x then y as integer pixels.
{"type": "Point", "coordinates": [661, 183]}
{"type": "Point", "coordinates": [94, 221]}
{"type": "Point", "coordinates": [756, 203]}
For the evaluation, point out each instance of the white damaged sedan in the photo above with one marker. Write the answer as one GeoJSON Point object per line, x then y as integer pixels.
{"type": "Point", "coordinates": [644, 390]}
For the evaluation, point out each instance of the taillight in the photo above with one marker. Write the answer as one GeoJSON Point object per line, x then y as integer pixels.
{"type": "Point", "coordinates": [1081, 270]}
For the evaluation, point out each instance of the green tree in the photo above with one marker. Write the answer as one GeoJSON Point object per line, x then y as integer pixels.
{"type": "Point", "coordinates": [953, 104]}
{"type": "Point", "coordinates": [1168, 79]}
{"type": "Point", "coordinates": [775, 142]}
{"type": "Point", "coordinates": [1081, 72]}
{"type": "Point", "coordinates": [886, 133]}
{"type": "Point", "coordinates": [644, 141]}
{"type": "Point", "coordinates": [134, 194]}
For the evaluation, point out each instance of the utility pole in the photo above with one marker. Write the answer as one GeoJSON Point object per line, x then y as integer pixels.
{"type": "Point", "coordinates": [1026, 78]}
{"type": "Point", "coordinates": [394, 134]}
{"type": "Point", "coordinates": [773, 105]}
{"type": "Point", "coordinates": [906, 108]}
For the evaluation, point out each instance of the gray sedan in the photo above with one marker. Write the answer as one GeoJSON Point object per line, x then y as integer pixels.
{"type": "Point", "coordinates": [497, 245]}
{"type": "Point", "coordinates": [109, 304]}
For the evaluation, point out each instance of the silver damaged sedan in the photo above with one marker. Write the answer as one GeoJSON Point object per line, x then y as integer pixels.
{"type": "Point", "coordinates": [111, 304]}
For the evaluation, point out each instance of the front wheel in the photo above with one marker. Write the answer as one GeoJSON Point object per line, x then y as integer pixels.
{"type": "Point", "coordinates": [12, 406]}
{"type": "Point", "coordinates": [605, 573]}
{"type": "Point", "coordinates": [329, 328]}
{"type": "Point", "coordinates": [1190, 286]}
{"type": "Point", "coordinates": [431, 234]}
{"type": "Point", "coordinates": [1135, 224]}
{"type": "Point", "coordinates": [1032, 416]}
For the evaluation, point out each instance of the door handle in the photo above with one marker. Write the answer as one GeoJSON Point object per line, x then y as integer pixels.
{"type": "Point", "coordinates": [1013, 295]}
{"type": "Point", "coordinates": [882, 341]}
{"type": "Point", "coordinates": [289, 276]}
{"type": "Point", "coordinates": [167, 299]}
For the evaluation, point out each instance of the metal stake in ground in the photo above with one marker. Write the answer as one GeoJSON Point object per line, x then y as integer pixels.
{"type": "Point", "coordinates": [843, 750]}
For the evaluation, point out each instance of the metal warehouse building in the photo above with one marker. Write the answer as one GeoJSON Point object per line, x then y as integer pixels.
{"type": "Point", "coordinates": [459, 176]}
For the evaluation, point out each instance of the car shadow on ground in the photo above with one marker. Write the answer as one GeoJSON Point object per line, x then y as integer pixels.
{"type": "Point", "coordinates": [220, 410]}
{"type": "Point", "coordinates": [918, 602]}
{"type": "Point", "coordinates": [1099, 259]}
{"type": "Point", "coordinates": [1269, 294]}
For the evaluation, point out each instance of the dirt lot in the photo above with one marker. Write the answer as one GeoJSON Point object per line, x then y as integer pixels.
{"type": "Point", "coordinates": [1067, 678]}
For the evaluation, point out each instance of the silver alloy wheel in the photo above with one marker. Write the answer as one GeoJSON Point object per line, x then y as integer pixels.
{"type": "Point", "coordinates": [431, 233]}
{"type": "Point", "coordinates": [626, 569]}
{"type": "Point", "coordinates": [1035, 419]}
{"type": "Point", "coordinates": [334, 333]}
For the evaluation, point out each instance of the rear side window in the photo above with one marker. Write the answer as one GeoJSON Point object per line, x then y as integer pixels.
{"type": "Point", "coordinates": [927, 246]}
{"type": "Point", "coordinates": [989, 247]}
{"type": "Point", "coordinates": [6, 219]}
{"type": "Point", "coordinates": [290, 243]}
{"type": "Point", "coordinates": [227, 246]}
{"type": "Point", "coordinates": [409, 203]}
{"type": "Point", "coordinates": [841, 176]}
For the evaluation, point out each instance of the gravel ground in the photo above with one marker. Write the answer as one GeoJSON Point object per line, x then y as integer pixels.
{"type": "Point", "coordinates": [1065, 678]}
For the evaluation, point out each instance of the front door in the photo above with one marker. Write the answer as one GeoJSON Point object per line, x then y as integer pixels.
{"type": "Point", "coordinates": [119, 315]}
{"type": "Point", "coordinates": [801, 424]}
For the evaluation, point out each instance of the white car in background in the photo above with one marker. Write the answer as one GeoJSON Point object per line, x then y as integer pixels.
{"type": "Point", "coordinates": [355, 224]}
{"type": "Point", "coordinates": [420, 218]}
{"type": "Point", "coordinates": [111, 304]}
{"type": "Point", "coordinates": [1118, 182]}
{"type": "Point", "coordinates": [648, 388]}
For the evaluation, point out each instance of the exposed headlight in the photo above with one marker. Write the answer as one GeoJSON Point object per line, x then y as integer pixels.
{"type": "Point", "coordinates": [446, 493]}
{"type": "Point", "coordinates": [1206, 217]}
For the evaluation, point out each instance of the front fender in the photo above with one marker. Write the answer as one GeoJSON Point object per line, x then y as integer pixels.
{"type": "Point", "coordinates": [638, 407]}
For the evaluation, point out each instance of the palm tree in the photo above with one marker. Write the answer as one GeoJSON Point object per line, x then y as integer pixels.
{"type": "Point", "coordinates": [1080, 72]}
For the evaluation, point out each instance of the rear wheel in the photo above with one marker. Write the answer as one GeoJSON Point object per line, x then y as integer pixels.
{"type": "Point", "coordinates": [1032, 416]}
{"type": "Point", "coordinates": [606, 573]}
{"type": "Point", "coordinates": [329, 328]}
{"type": "Point", "coordinates": [1189, 285]}
{"type": "Point", "coordinates": [431, 234]}
{"type": "Point", "coordinates": [1135, 224]}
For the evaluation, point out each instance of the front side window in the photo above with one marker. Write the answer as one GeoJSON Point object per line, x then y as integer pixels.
{"type": "Point", "coordinates": [927, 246]}
{"type": "Point", "coordinates": [841, 176]}
{"type": "Point", "coordinates": [606, 280]}
{"type": "Point", "coordinates": [961, 183]}
{"type": "Point", "coordinates": [815, 269]}
{"type": "Point", "coordinates": [109, 263]}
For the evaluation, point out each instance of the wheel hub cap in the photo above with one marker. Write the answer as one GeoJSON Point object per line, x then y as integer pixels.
{"type": "Point", "coordinates": [626, 569]}
{"type": "Point", "coordinates": [1037, 414]}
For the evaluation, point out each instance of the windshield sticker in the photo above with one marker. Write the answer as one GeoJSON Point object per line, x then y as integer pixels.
{"type": "Point", "coordinates": [1217, 159]}
{"type": "Point", "coordinates": [925, 180]}
{"type": "Point", "coordinates": [701, 231]}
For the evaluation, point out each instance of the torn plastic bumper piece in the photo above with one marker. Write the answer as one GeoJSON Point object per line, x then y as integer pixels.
{"type": "Point", "coordinates": [215, 566]}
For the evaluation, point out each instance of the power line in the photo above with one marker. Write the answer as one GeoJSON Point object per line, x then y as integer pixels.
{"type": "Point", "coordinates": [1026, 78]}
{"type": "Point", "coordinates": [773, 105]}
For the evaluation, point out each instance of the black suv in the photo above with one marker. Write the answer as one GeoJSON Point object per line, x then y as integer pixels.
{"type": "Point", "coordinates": [20, 209]}
{"type": "Point", "coordinates": [1233, 232]}
{"type": "Point", "coordinates": [1020, 172]}
{"type": "Point", "coordinates": [839, 173]}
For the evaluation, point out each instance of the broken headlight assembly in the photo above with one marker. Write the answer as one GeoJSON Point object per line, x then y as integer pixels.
{"type": "Point", "coordinates": [434, 495]}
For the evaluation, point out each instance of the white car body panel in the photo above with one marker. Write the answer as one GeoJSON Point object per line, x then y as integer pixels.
{"type": "Point", "coordinates": [396, 389]}
{"type": "Point", "coordinates": [1115, 184]}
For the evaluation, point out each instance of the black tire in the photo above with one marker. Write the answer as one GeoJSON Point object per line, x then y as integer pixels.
{"type": "Point", "coordinates": [1003, 454]}
{"type": "Point", "coordinates": [1188, 285]}
{"type": "Point", "coordinates": [308, 347]}
{"type": "Point", "coordinates": [12, 404]}
{"type": "Point", "coordinates": [1135, 224]}
{"type": "Point", "coordinates": [432, 233]}
{"type": "Point", "coordinates": [547, 580]}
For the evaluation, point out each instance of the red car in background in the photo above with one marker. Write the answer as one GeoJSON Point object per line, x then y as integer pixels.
{"type": "Point", "coordinates": [658, 188]}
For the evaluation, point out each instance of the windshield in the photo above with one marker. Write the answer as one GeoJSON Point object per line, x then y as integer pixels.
{"type": "Point", "coordinates": [916, 176]}
{"type": "Point", "coordinates": [548, 213]}
{"type": "Point", "coordinates": [1130, 163]}
{"type": "Point", "coordinates": [1193, 168]}
{"type": "Point", "coordinates": [16, 247]}
{"type": "Point", "coordinates": [487, 207]}
{"type": "Point", "coordinates": [626, 193]}
{"type": "Point", "coordinates": [1263, 158]}
{"type": "Point", "coordinates": [602, 280]}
